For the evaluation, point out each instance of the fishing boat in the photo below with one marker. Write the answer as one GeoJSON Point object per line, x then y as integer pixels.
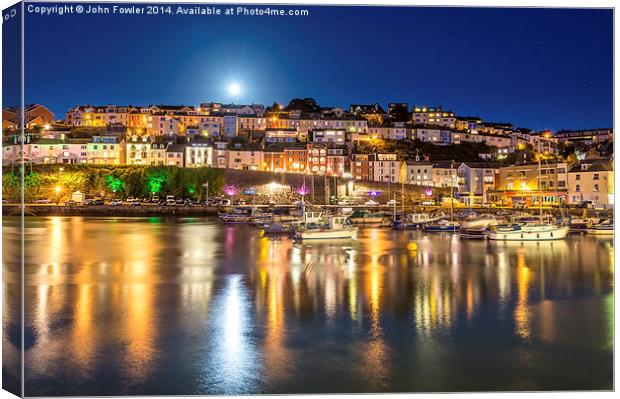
{"type": "Point", "coordinates": [449, 226]}
{"type": "Point", "coordinates": [604, 228]}
{"type": "Point", "coordinates": [335, 227]}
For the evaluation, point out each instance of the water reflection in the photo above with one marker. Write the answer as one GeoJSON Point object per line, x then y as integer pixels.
{"type": "Point", "coordinates": [188, 306]}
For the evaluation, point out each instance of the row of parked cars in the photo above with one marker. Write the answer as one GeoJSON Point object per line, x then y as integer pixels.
{"type": "Point", "coordinates": [169, 200]}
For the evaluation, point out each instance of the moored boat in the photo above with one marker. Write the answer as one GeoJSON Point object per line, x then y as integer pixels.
{"type": "Point", "coordinates": [479, 222]}
{"type": "Point", "coordinates": [276, 228]}
{"type": "Point", "coordinates": [442, 226]}
{"type": "Point", "coordinates": [336, 227]}
{"type": "Point", "coordinates": [411, 221]}
{"type": "Point", "coordinates": [604, 228]}
{"type": "Point", "coordinates": [527, 232]}
{"type": "Point", "coordinates": [473, 233]}
{"type": "Point", "coordinates": [372, 219]}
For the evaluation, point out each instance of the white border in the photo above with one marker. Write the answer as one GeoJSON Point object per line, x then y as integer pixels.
{"type": "Point", "coordinates": [462, 3]}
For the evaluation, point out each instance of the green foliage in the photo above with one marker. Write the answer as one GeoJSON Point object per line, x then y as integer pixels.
{"type": "Point", "coordinates": [124, 180]}
{"type": "Point", "coordinates": [463, 152]}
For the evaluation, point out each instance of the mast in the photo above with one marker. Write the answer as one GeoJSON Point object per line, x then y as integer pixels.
{"type": "Point", "coordinates": [539, 184]}
{"type": "Point", "coordinates": [451, 192]}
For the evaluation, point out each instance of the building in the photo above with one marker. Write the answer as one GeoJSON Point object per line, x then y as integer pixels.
{"type": "Point", "coordinates": [295, 157]}
{"type": "Point", "coordinates": [591, 180]}
{"type": "Point", "coordinates": [337, 160]}
{"type": "Point", "coordinates": [518, 185]}
{"type": "Point", "coordinates": [198, 153]}
{"type": "Point", "coordinates": [425, 115]}
{"type": "Point", "coordinates": [335, 136]}
{"type": "Point", "coordinates": [373, 113]}
{"type": "Point", "coordinates": [220, 154]}
{"type": "Point", "coordinates": [430, 135]}
{"type": "Point", "coordinates": [34, 115]}
{"type": "Point", "coordinates": [273, 158]}
{"type": "Point", "coordinates": [388, 132]}
{"type": "Point", "coordinates": [467, 123]}
{"type": "Point", "coordinates": [362, 166]}
{"type": "Point", "coordinates": [281, 135]}
{"type": "Point", "coordinates": [317, 158]}
{"type": "Point", "coordinates": [106, 150]}
{"type": "Point", "coordinates": [475, 181]}
{"type": "Point", "coordinates": [445, 174]}
{"type": "Point", "coordinates": [175, 154]}
{"type": "Point", "coordinates": [419, 173]}
{"type": "Point", "coordinates": [386, 168]}
{"type": "Point", "coordinates": [587, 136]}
{"type": "Point", "coordinates": [376, 167]}
{"type": "Point", "coordinates": [245, 157]}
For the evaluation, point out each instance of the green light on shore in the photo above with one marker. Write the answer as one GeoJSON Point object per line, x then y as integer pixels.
{"type": "Point", "coordinates": [191, 189]}
{"type": "Point", "coordinates": [114, 183]}
{"type": "Point", "coordinates": [155, 183]}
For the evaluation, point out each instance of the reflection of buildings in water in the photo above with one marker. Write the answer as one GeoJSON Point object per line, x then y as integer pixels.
{"type": "Point", "coordinates": [139, 329]}
{"type": "Point", "coordinates": [375, 353]}
{"type": "Point", "coordinates": [521, 312]}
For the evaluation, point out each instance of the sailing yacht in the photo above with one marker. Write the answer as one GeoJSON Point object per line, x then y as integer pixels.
{"type": "Point", "coordinates": [529, 231]}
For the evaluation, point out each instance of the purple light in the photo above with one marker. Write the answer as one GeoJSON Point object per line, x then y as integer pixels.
{"type": "Point", "coordinates": [374, 193]}
{"type": "Point", "coordinates": [303, 190]}
{"type": "Point", "coordinates": [230, 190]}
{"type": "Point", "coordinates": [428, 192]}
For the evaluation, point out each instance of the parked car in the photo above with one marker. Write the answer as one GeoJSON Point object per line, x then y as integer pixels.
{"type": "Point", "coordinates": [391, 202]}
{"type": "Point", "coordinates": [428, 203]}
{"type": "Point", "coordinates": [224, 202]}
{"type": "Point", "coordinates": [170, 200]}
{"type": "Point", "coordinates": [130, 199]}
{"type": "Point", "coordinates": [116, 202]}
{"type": "Point", "coordinates": [155, 199]}
{"type": "Point", "coordinates": [135, 203]}
{"type": "Point", "coordinates": [43, 201]}
{"type": "Point", "coordinates": [585, 204]}
{"type": "Point", "coordinates": [371, 203]}
{"type": "Point", "coordinates": [98, 201]}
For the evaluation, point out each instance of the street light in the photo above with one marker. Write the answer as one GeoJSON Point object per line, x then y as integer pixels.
{"type": "Point", "coordinates": [57, 190]}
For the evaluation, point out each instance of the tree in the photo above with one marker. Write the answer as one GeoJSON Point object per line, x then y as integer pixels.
{"type": "Point", "coordinates": [306, 105]}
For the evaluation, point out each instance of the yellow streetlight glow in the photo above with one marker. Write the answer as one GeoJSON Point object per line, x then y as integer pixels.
{"type": "Point", "coordinates": [57, 189]}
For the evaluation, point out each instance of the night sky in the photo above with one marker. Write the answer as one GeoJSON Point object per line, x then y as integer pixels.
{"type": "Point", "coordinates": [538, 68]}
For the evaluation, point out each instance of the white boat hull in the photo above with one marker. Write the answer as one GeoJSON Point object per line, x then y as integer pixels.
{"type": "Point", "coordinates": [555, 233]}
{"type": "Point", "coordinates": [326, 234]}
{"type": "Point", "coordinates": [478, 224]}
{"type": "Point", "coordinates": [601, 232]}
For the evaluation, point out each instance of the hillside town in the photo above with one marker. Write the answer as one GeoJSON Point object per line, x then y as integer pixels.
{"type": "Point", "coordinates": [428, 146]}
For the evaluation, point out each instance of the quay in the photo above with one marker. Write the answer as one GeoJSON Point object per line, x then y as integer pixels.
{"type": "Point", "coordinates": [148, 210]}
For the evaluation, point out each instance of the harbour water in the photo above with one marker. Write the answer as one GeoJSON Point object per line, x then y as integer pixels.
{"type": "Point", "coordinates": [189, 306]}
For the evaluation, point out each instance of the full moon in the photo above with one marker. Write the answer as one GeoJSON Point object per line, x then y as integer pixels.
{"type": "Point", "coordinates": [234, 89]}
